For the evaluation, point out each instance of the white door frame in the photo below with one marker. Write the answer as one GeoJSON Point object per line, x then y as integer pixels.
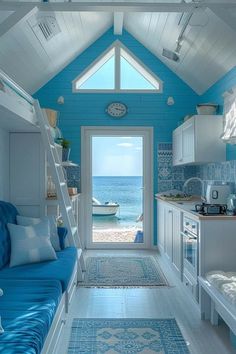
{"type": "Point", "coordinates": [86, 183]}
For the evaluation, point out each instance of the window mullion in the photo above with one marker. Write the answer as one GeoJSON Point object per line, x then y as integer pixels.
{"type": "Point", "coordinates": [117, 68]}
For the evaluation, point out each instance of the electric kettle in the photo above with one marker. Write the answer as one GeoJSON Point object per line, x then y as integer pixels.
{"type": "Point", "coordinates": [231, 204]}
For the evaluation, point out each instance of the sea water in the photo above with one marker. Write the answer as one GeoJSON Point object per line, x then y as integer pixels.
{"type": "Point", "coordinates": [128, 192]}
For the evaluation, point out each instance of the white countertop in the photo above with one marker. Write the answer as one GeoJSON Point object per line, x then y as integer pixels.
{"type": "Point", "coordinates": [189, 207]}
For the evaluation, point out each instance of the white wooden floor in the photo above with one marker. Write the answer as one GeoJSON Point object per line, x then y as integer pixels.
{"type": "Point", "coordinates": [172, 302]}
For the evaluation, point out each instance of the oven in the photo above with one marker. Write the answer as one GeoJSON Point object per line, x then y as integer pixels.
{"type": "Point", "coordinates": [190, 242]}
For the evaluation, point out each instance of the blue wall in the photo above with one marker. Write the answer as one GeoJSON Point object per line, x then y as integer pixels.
{"type": "Point", "coordinates": [144, 109]}
{"type": "Point", "coordinates": [214, 94]}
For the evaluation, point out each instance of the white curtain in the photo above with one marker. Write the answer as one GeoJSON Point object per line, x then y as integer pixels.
{"type": "Point", "coordinates": [229, 135]}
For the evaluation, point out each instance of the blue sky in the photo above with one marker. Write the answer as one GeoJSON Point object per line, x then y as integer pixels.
{"type": "Point", "coordinates": [104, 77]}
{"type": "Point", "coordinates": [117, 156]}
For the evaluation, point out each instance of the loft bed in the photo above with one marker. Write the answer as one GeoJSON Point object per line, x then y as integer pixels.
{"type": "Point", "coordinates": [17, 112]}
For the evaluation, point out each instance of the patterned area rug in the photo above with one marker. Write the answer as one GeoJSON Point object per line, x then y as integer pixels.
{"type": "Point", "coordinates": [126, 336]}
{"type": "Point", "coordinates": [131, 272]}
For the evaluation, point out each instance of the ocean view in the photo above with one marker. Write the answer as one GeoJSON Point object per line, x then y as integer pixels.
{"type": "Point", "coordinates": [124, 190]}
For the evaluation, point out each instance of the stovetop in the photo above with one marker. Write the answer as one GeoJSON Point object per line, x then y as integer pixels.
{"type": "Point", "coordinates": [211, 209]}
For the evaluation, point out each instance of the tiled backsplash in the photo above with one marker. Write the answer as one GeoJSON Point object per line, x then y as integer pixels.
{"type": "Point", "coordinates": [218, 173]}
{"type": "Point", "coordinates": [170, 177]}
{"type": "Point", "coordinates": [73, 176]}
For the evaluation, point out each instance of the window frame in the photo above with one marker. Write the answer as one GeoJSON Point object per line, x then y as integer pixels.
{"type": "Point", "coordinates": [118, 49]}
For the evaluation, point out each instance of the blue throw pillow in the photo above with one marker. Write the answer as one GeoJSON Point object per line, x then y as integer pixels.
{"type": "Point", "coordinates": [28, 221]}
{"type": "Point", "coordinates": [30, 244]}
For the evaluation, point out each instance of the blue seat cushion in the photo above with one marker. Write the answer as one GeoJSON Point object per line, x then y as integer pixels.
{"type": "Point", "coordinates": [27, 308]}
{"type": "Point", "coordinates": [7, 215]}
{"type": "Point", "coordinates": [60, 269]}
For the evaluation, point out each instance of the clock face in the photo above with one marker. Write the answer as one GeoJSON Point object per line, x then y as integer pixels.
{"type": "Point", "coordinates": [116, 109]}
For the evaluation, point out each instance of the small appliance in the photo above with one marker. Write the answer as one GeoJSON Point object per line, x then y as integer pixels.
{"type": "Point", "coordinates": [217, 194]}
{"type": "Point", "coordinates": [231, 204]}
{"type": "Point", "coordinates": [211, 209]}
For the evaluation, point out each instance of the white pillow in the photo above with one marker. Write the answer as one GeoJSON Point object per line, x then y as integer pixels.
{"type": "Point", "coordinates": [30, 244]}
{"type": "Point", "coordinates": [26, 221]}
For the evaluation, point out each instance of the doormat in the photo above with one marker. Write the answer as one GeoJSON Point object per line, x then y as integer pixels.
{"type": "Point", "coordinates": [126, 336]}
{"type": "Point", "coordinates": [123, 272]}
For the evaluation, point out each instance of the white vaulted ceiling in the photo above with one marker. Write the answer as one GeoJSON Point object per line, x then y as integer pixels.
{"type": "Point", "coordinates": [208, 49]}
{"type": "Point", "coordinates": [32, 62]}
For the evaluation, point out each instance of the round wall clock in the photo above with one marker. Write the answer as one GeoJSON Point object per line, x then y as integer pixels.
{"type": "Point", "coordinates": [116, 109]}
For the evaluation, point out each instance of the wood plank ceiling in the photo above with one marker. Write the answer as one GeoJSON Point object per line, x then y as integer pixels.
{"type": "Point", "coordinates": [208, 48]}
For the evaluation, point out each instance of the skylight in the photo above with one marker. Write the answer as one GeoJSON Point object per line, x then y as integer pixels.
{"type": "Point", "coordinates": [117, 70]}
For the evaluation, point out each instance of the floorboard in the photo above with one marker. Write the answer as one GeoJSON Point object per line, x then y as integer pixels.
{"type": "Point", "coordinates": [166, 302]}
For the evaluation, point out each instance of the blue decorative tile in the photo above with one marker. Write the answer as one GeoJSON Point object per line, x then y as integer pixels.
{"type": "Point", "coordinates": [210, 173]}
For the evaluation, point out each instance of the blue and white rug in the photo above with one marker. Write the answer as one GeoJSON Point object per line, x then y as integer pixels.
{"type": "Point", "coordinates": [127, 272]}
{"type": "Point", "coordinates": [126, 336]}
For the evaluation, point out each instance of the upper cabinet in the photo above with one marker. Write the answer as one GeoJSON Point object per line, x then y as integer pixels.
{"type": "Point", "coordinates": [198, 141]}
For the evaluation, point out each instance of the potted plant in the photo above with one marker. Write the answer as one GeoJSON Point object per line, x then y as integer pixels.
{"type": "Point", "coordinates": [65, 149]}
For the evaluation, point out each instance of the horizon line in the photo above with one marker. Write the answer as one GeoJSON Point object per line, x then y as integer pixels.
{"type": "Point", "coordinates": [116, 176]}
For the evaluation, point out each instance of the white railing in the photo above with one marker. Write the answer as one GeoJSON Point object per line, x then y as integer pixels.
{"type": "Point", "coordinates": [9, 82]}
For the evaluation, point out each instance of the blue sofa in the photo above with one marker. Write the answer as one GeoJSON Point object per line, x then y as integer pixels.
{"type": "Point", "coordinates": [32, 293]}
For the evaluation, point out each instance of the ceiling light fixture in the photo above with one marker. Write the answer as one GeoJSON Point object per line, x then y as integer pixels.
{"type": "Point", "coordinates": [174, 55]}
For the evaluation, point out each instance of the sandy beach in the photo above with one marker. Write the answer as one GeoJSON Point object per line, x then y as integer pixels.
{"type": "Point", "coordinates": [114, 235]}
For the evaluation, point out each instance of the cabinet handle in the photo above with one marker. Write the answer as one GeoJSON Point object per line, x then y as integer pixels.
{"type": "Point", "coordinates": [170, 211]}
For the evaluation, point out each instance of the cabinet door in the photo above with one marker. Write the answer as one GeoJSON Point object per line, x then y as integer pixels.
{"type": "Point", "coordinates": [188, 141]}
{"type": "Point", "coordinates": [177, 245]}
{"type": "Point", "coordinates": [27, 172]}
{"type": "Point", "coordinates": [168, 231]}
{"type": "Point", "coordinates": [161, 225]}
{"type": "Point", "coordinates": [177, 147]}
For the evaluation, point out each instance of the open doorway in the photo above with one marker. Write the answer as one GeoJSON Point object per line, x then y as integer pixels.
{"type": "Point", "coordinates": [117, 187]}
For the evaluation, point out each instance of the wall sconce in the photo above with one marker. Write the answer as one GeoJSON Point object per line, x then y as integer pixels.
{"type": "Point", "coordinates": [61, 100]}
{"type": "Point", "coordinates": [170, 101]}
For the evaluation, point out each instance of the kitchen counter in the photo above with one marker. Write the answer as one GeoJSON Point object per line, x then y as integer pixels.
{"type": "Point", "coordinates": [189, 206]}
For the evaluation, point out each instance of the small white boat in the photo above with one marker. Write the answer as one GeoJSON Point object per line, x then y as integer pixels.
{"type": "Point", "coordinates": [107, 209]}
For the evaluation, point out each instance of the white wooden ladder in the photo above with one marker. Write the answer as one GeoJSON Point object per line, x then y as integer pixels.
{"type": "Point", "coordinates": [58, 177]}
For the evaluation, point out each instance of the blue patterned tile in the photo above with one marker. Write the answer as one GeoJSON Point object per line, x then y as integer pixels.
{"type": "Point", "coordinates": [213, 172]}
{"type": "Point", "coordinates": [164, 186]}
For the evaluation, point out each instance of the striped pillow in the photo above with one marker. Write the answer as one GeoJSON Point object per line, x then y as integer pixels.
{"type": "Point", "coordinates": [30, 244]}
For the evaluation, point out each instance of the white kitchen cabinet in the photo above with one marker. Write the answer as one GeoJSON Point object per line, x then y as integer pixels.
{"type": "Point", "coordinates": [161, 225]}
{"type": "Point", "coordinates": [177, 146]}
{"type": "Point", "coordinates": [177, 244]}
{"type": "Point", "coordinates": [198, 141]}
{"type": "Point", "coordinates": [168, 232]}
{"type": "Point", "coordinates": [169, 239]}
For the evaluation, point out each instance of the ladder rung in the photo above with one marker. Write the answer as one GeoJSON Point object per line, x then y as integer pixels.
{"type": "Point", "coordinates": [52, 146]}
{"type": "Point", "coordinates": [62, 184]}
{"type": "Point", "coordinates": [69, 207]}
{"type": "Point", "coordinates": [57, 164]}
{"type": "Point", "coordinates": [74, 230]}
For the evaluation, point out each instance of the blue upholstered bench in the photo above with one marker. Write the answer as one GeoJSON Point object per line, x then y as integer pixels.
{"type": "Point", "coordinates": [27, 309]}
{"type": "Point", "coordinates": [32, 293]}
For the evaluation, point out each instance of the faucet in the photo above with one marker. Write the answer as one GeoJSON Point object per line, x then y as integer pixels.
{"type": "Point", "coordinates": [203, 198]}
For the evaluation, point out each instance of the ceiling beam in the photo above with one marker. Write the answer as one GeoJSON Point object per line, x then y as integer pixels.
{"type": "Point", "coordinates": [118, 6]}
{"type": "Point", "coordinates": [225, 16]}
{"type": "Point", "coordinates": [115, 6]}
{"type": "Point", "coordinates": [118, 23]}
{"type": "Point", "coordinates": [22, 13]}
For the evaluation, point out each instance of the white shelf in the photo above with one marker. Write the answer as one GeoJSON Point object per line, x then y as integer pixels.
{"type": "Point", "coordinates": [68, 163]}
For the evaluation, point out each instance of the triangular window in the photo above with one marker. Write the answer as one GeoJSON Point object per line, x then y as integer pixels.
{"type": "Point", "coordinates": [117, 70]}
